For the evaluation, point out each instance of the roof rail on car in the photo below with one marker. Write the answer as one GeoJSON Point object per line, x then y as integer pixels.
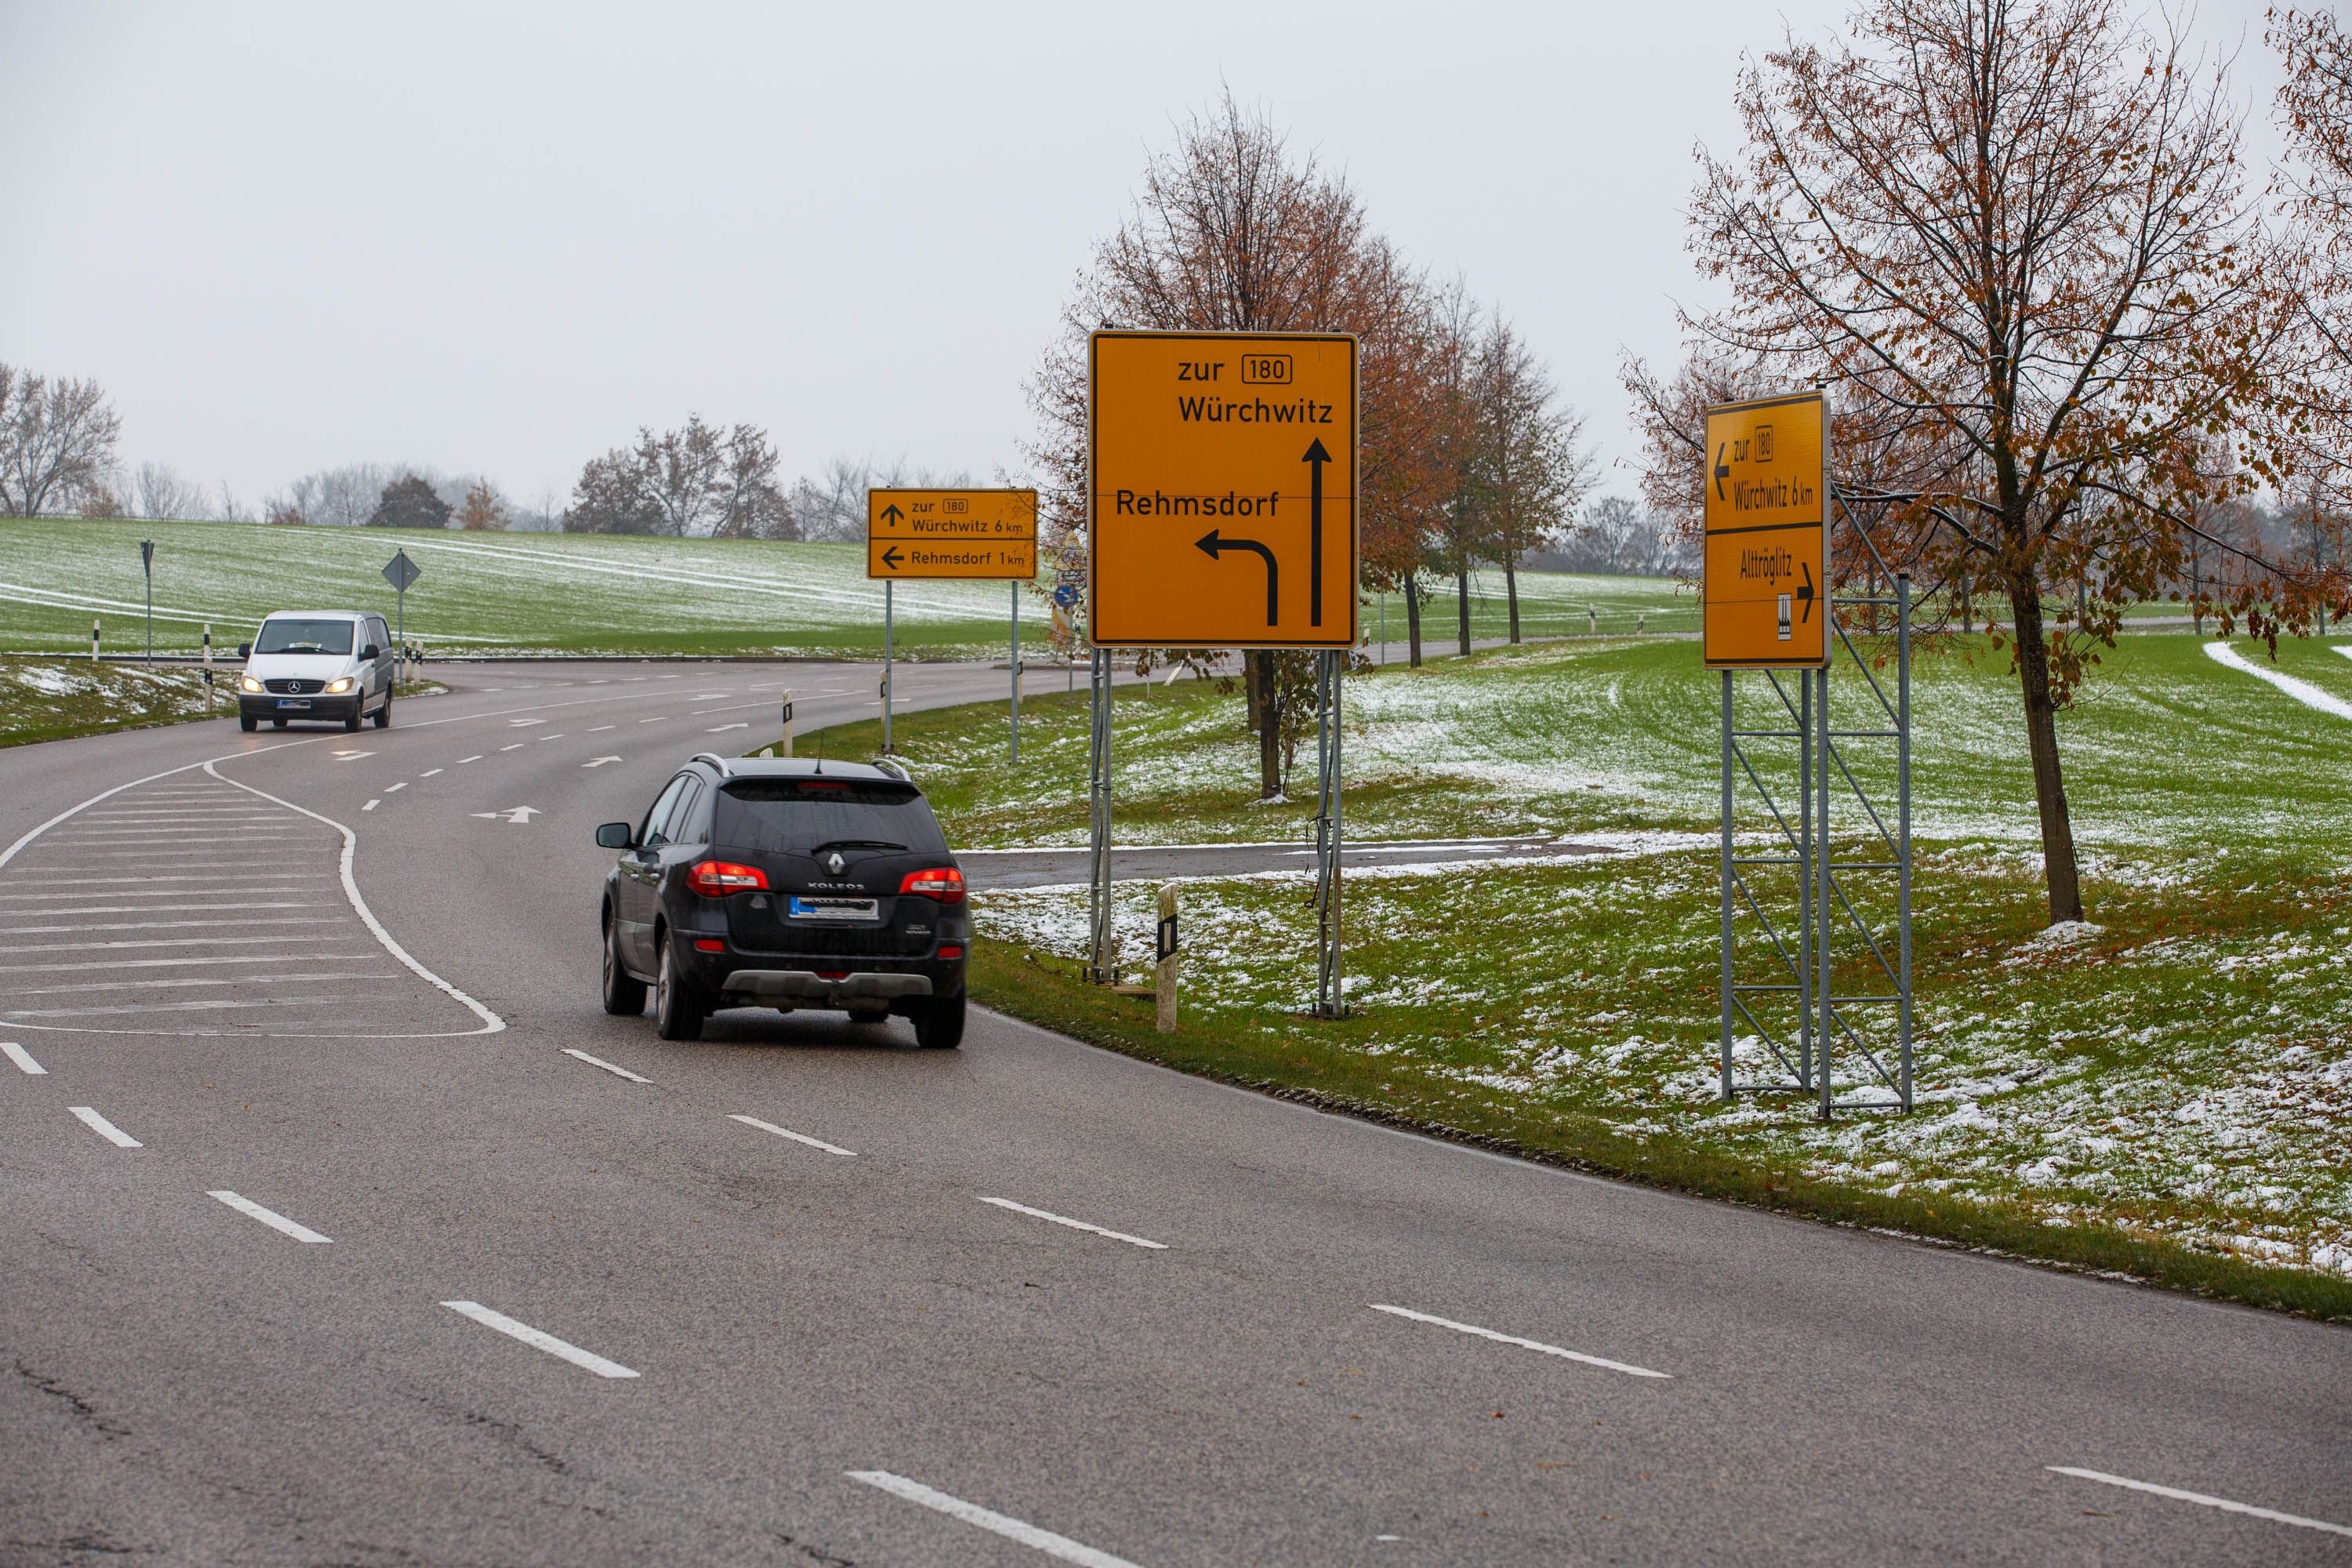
{"type": "Point", "coordinates": [716, 761]}
{"type": "Point", "coordinates": [895, 768]}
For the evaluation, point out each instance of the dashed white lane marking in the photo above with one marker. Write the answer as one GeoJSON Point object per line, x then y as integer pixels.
{"type": "Point", "coordinates": [600, 727]}
{"type": "Point", "coordinates": [475, 758]}
{"type": "Point", "coordinates": [515, 747]}
{"type": "Point", "coordinates": [722, 729]}
{"type": "Point", "coordinates": [1625, 1367]}
{"type": "Point", "coordinates": [709, 696]}
{"type": "Point", "coordinates": [402, 784]}
{"type": "Point", "coordinates": [1075, 1224]}
{"type": "Point", "coordinates": [795, 1136]}
{"type": "Point", "coordinates": [2302, 692]}
{"type": "Point", "coordinates": [2202, 1500]}
{"type": "Point", "coordinates": [655, 720]}
{"type": "Point", "coordinates": [351, 756]}
{"type": "Point", "coordinates": [105, 1129]}
{"type": "Point", "coordinates": [557, 736]}
{"type": "Point", "coordinates": [23, 1058]}
{"type": "Point", "coordinates": [525, 723]}
{"type": "Point", "coordinates": [372, 806]}
{"type": "Point", "coordinates": [428, 773]}
{"type": "Point", "coordinates": [538, 1339]}
{"type": "Point", "coordinates": [275, 1221]}
{"type": "Point", "coordinates": [608, 1066]}
{"type": "Point", "coordinates": [1012, 1529]}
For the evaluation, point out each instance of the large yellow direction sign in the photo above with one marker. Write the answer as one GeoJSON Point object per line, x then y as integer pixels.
{"type": "Point", "coordinates": [991, 535]}
{"type": "Point", "coordinates": [1765, 584]}
{"type": "Point", "coordinates": [1224, 490]}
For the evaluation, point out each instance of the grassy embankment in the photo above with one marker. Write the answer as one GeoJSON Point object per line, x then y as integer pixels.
{"type": "Point", "coordinates": [501, 592]}
{"type": "Point", "coordinates": [55, 699]}
{"type": "Point", "coordinates": [2164, 1096]}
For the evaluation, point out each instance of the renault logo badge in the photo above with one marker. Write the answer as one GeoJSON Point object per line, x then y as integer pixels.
{"type": "Point", "coordinates": [836, 864]}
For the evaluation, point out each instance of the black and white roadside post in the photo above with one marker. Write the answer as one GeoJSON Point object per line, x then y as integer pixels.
{"type": "Point", "coordinates": [208, 664]}
{"type": "Point", "coordinates": [147, 566]}
{"type": "Point", "coordinates": [93, 639]}
{"type": "Point", "coordinates": [1014, 750]}
{"type": "Point", "coordinates": [784, 746]}
{"type": "Point", "coordinates": [1165, 946]}
{"type": "Point", "coordinates": [400, 572]}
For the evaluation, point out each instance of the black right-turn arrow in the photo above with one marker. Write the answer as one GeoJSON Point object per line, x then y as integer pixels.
{"type": "Point", "coordinates": [1805, 593]}
{"type": "Point", "coordinates": [1213, 547]}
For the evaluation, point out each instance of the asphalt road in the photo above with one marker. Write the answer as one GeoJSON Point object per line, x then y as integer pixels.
{"type": "Point", "coordinates": [834, 1268]}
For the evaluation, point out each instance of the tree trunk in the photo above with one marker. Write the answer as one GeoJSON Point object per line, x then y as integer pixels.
{"type": "Point", "coordinates": [1412, 615]}
{"type": "Point", "coordinates": [1265, 709]}
{"type": "Point", "coordinates": [1511, 593]}
{"type": "Point", "coordinates": [1462, 602]}
{"type": "Point", "coordinates": [2041, 741]}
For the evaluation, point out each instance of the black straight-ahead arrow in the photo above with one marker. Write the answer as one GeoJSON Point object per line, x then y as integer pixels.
{"type": "Point", "coordinates": [891, 514]}
{"type": "Point", "coordinates": [1805, 593]}
{"type": "Point", "coordinates": [1315, 459]}
{"type": "Point", "coordinates": [1212, 546]}
{"type": "Point", "coordinates": [890, 558]}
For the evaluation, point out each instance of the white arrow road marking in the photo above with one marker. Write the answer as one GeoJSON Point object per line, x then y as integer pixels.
{"type": "Point", "coordinates": [275, 1221]}
{"type": "Point", "coordinates": [1075, 1224]}
{"type": "Point", "coordinates": [1027, 1534]}
{"type": "Point", "coordinates": [104, 1129]}
{"type": "Point", "coordinates": [538, 1339]}
{"type": "Point", "coordinates": [2224, 1504]}
{"type": "Point", "coordinates": [722, 729]}
{"type": "Point", "coordinates": [353, 756]}
{"type": "Point", "coordinates": [608, 1066]}
{"type": "Point", "coordinates": [600, 762]}
{"type": "Point", "coordinates": [1524, 1345]}
{"type": "Point", "coordinates": [23, 1058]}
{"type": "Point", "coordinates": [795, 1136]}
{"type": "Point", "coordinates": [513, 814]}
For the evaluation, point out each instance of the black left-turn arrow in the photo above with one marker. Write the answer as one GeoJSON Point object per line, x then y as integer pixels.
{"type": "Point", "coordinates": [1315, 459]}
{"type": "Point", "coordinates": [1213, 547]}
{"type": "Point", "coordinates": [890, 558]}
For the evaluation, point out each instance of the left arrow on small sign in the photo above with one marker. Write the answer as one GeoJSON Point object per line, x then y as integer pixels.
{"type": "Point", "coordinates": [891, 556]}
{"type": "Point", "coordinates": [1722, 470]}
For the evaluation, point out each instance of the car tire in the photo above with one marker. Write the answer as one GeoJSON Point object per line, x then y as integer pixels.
{"type": "Point", "coordinates": [625, 994]}
{"type": "Point", "coordinates": [352, 724]}
{"type": "Point", "coordinates": [939, 1024]}
{"type": "Point", "coordinates": [247, 722]}
{"type": "Point", "coordinates": [384, 714]}
{"type": "Point", "coordinates": [678, 1008]}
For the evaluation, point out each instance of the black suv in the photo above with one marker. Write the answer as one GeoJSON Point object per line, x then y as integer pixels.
{"type": "Point", "coordinates": [786, 883]}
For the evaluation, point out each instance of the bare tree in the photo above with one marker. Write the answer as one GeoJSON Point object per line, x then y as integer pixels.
{"type": "Point", "coordinates": [57, 441]}
{"type": "Point", "coordinates": [161, 493]}
{"type": "Point", "coordinates": [2016, 240]}
{"type": "Point", "coordinates": [751, 505]}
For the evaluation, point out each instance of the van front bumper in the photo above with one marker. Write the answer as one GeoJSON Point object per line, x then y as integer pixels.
{"type": "Point", "coordinates": [269, 705]}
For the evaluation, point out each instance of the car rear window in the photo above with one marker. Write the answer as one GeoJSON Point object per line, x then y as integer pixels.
{"type": "Point", "coordinates": [303, 636]}
{"type": "Point", "coordinates": [795, 816]}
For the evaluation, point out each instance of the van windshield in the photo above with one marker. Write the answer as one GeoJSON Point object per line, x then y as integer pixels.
{"type": "Point", "coordinates": [797, 816]}
{"type": "Point", "coordinates": [303, 636]}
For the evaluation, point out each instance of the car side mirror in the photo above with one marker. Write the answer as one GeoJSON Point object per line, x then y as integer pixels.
{"type": "Point", "coordinates": [614, 836]}
{"type": "Point", "coordinates": [371, 653]}
{"type": "Point", "coordinates": [244, 650]}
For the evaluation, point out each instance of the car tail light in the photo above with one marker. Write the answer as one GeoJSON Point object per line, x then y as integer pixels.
{"type": "Point", "coordinates": [944, 883]}
{"type": "Point", "coordinates": [832, 975]}
{"type": "Point", "coordinates": [716, 879]}
{"type": "Point", "coordinates": [951, 951]}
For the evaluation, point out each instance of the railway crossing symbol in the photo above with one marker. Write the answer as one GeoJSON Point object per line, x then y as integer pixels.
{"type": "Point", "coordinates": [1222, 511]}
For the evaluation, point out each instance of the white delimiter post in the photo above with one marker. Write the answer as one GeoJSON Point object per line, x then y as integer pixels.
{"type": "Point", "coordinates": [784, 746]}
{"type": "Point", "coordinates": [93, 639]}
{"type": "Point", "coordinates": [208, 664]}
{"type": "Point", "coordinates": [1168, 959]}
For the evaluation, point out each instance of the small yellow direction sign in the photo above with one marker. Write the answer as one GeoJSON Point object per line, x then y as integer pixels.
{"type": "Point", "coordinates": [1765, 576]}
{"type": "Point", "coordinates": [986, 535]}
{"type": "Point", "coordinates": [1223, 504]}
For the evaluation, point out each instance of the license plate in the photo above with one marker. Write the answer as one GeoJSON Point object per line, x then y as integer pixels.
{"type": "Point", "coordinates": [293, 702]}
{"type": "Point", "coordinates": [833, 909]}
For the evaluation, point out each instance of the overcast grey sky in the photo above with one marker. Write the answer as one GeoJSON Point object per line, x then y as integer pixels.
{"type": "Point", "coordinates": [500, 238]}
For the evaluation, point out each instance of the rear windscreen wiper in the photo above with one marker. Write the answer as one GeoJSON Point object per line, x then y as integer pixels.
{"type": "Point", "coordinates": [855, 844]}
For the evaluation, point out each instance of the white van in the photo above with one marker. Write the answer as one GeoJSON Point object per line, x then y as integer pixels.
{"type": "Point", "coordinates": [316, 664]}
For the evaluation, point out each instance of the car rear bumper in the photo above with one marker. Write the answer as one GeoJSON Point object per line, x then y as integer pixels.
{"type": "Point", "coordinates": [807, 988]}
{"type": "Point", "coordinates": [267, 705]}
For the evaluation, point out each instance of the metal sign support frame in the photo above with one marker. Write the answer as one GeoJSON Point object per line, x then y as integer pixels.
{"type": "Point", "coordinates": [1102, 967]}
{"type": "Point", "coordinates": [1330, 998]}
{"type": "Point", "coordinates": [1825, 1014]}
{"type": "Point", "coordinates": [1014, 756]}
{"type": "Point", "coordinates": [888, 629]}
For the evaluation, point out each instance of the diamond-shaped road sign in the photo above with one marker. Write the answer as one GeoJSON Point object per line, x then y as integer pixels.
{"type": "Point", "coordinates": [400, 571]}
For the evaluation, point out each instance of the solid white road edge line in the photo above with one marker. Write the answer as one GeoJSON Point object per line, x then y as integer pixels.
{"type": "Point", "coordinates": [105, 1129]}
{"type": "Point", "coordinates": [608, 1066]}
{"type": "Point", "coordinates": [275, 1221]}
{"type": "Point", "coordinates": [2224, 1504]}
{"type": "Point", "coordinates": [1075, 1224]}
{"type": "Point", "coordinates": [23, 1058]}
{"type": "Point", "coordinates": [538, 1339]}
{"type": "Point", "coordinates": [1027, 1534]}
{"type": "Point", "coordinates": [795, 1136]}
{"type": "Point", "coordinates": [491, 1022]}
{"type": "Point", "coordinates": [2302, 692]}
{"type": "Point", "coordinates": [1629, 1370]}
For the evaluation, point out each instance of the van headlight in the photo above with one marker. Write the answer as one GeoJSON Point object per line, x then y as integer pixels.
{"type": "Point", "coordinates": [247, 683]}
{"type": "Point", "coordinates": [337, 686]}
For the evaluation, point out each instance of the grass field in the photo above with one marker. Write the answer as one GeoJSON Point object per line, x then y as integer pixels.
{"type": "Point", "coordinates": [52, 699]}
{"type": "Point", "coordinates": [501, 593]}
{"type": "Point", "coordinates": [2168, 1091]}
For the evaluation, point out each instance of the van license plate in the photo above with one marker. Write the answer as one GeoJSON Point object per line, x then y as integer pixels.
{"type": "Point", "coordinates": [833, 909]}
{"type": "Point", "coordinates": [293, 702]}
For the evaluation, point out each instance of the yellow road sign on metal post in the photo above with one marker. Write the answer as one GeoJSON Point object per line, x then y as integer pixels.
{"type": "Point", "coordinates": [985, 535]}
{"type": "Point", "coordinates": [1765, 587]}
{"type": "Point", "coordinates": [1222, 491]}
